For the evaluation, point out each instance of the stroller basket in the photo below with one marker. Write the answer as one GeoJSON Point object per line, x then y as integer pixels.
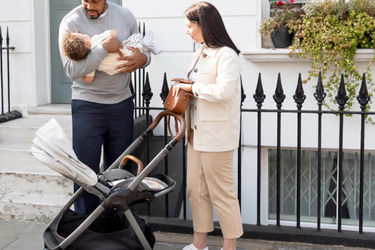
{"type": "Point", "coordinates": [111, 225]}
{"type": "Point", "coordinates": [111, 230]}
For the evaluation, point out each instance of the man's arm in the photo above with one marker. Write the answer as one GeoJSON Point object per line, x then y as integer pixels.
{"type": "Point", "coordinates": [77, 69]}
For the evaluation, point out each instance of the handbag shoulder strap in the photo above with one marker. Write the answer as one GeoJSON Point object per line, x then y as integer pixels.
{"type": "Point", "coordinates": [169, 127]}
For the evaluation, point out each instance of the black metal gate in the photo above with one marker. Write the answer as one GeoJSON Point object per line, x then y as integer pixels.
{"type": "Point", "coordinates": [10, 115]}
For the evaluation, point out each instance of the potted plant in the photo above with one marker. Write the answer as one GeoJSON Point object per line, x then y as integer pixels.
{"type": "Point", "coordinates": [277, 25]}
{"type": "Point", "coordinates": [329, 34]}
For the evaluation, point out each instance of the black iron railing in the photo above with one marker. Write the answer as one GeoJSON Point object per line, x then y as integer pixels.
{"type": "Point", "coordinates": [299, 97]}
{"type": "Point", "coordinates": [10, 115]}
{"type": "Point", "coordinates": [142, 95]}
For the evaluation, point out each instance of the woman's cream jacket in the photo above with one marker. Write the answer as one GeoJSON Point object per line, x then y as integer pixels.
{"type": "Point", "coordinates": [214, 112]}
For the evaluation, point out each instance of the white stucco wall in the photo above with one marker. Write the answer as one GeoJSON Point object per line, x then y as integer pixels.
{"type": "Point", "coordinates": [28, 24]}
{"type": "Point", "coordinates": [18, 17]}
{"type": "Point", "coordinates": [42, 60]}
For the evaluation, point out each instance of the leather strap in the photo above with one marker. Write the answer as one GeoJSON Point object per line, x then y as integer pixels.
{"type": "Point", "coordinates": [169, 126]}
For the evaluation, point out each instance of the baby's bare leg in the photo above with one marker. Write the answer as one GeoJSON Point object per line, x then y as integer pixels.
{"type": "Point", "coordinates": [88, 79]}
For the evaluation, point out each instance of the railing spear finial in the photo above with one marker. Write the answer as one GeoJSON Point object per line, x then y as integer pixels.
{"type": "Point", "coordinates": [299, 96]}
{"type": "Point", "coordinates": [7, 37]}
{"type": "Point", "coordinates": [243, 95]}
{"type": "Point", "coordinates": [319, 91]}
{"type": "Point", "coordinates": [363, 96]}
{"type": "Point", "coordinates": [259, 95]}
{"type": "Point", "coordinates": [279, 96]}
{"type": "Point", "coordinates": [147, 94]}
{"type": "Point", "coordinates": [1, 39]}
{"type": "Point", "coordinates": [165, 88]}
{"type": "Point", "coordinates": [341, 97]}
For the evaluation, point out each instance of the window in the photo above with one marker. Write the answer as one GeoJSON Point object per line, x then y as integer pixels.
{"type": "Point", "coordinates": [309, 173]}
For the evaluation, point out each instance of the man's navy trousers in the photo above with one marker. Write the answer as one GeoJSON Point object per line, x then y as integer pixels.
{"type": "Point", "coordinates": [96, 125]}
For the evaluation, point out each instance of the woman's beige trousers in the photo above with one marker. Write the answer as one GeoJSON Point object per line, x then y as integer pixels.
{"type": "Point", "coordinates": [210, 184]}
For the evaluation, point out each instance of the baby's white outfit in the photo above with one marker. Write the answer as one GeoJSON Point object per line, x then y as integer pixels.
{"type": "Point", "coordinates": [136, 41]}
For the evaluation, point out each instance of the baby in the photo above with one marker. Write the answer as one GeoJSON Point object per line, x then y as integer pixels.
{"type": "Point", "coordinates": [77, 46]}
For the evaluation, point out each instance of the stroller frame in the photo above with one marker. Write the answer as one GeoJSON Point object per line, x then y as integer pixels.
{"type": "Point", "coordinates": [119, 197]}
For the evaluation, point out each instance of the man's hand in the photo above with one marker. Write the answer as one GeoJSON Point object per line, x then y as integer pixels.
{"type": "Point", "coordinates": [134, 61]}
{"type": "Point", "coordinates": [112, 45]}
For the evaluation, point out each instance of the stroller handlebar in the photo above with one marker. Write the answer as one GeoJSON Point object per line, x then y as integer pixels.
{"type": "Point", "coordinates": [134, 159]}
{"type": "Point", "coordinates": [179, 117]}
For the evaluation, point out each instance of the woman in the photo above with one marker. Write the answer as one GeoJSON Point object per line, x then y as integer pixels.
{"type": "Point", "coordinates": [213, 126]}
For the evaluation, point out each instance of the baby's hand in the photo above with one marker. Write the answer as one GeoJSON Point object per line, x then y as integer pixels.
{"type": "Point", "coordinates": [112, 45]}
{"type": "Point", "coordinates": [88, 79]}
{"type": "Point", "coordinates": [113, 33]}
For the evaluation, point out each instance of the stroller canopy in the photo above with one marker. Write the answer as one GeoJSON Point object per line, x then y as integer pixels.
{"type": "Point", "coordinates": [52, 147]}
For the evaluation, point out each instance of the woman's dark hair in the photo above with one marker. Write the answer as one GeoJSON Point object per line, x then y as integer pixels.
{"type": "Point", "coordinates": [213, 29]}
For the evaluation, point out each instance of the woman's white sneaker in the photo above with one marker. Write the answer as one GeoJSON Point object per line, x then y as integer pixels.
{"type": "Point", "coordinates": [192, 247]}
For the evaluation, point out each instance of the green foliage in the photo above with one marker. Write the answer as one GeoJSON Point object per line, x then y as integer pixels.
{"type": "Point", "coordinates": [329, 34]}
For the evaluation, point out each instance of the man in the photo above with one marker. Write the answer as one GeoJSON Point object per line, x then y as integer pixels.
{"type": "Point", "coordinates": [102, 112]}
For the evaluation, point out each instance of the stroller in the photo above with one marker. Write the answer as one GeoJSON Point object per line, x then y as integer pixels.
{"type": "Point", "coordinates": [111, 225]}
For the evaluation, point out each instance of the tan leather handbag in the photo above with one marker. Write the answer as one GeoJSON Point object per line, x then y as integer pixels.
{"type": "Point", "coordinates": [179, 102]}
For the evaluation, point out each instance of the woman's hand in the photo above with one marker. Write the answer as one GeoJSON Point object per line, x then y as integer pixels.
{"type": "Point", "coordinates": [176, 88]}
{"type": "Point", "coordinates": [180, 80]}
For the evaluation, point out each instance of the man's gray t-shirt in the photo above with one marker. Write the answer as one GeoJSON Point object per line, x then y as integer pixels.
{"type": "Point", "coordinates": [104, 89]}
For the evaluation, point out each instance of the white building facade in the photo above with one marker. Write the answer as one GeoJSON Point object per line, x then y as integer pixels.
{"type": "Point", "coordinates": [29, 23]}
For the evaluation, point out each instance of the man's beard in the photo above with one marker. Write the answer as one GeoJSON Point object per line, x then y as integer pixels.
{"type": "Point", "coordinates": [92, 17]}
{"type": "Point", "coordinates": [97, 12]}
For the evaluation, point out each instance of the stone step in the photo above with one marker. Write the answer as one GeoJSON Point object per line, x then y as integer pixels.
{"type": "Point", "coordinates": [30, 207]}
{"type": "Point", "coordinates": [50, 109]}
{"type": "Point", "coordinates": [29, 190]}
{"type": "Point", "coordinates": [43, 184]}
{"type": "Point", "coordinates": [21, 171]}
{"type": "Point", "coordinates": [23, 129]}
{"type": "Point", "coordinates": [16, 157]}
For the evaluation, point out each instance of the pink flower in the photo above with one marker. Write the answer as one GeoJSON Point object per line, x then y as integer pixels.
{"type": "Point", "coordinates": [291, 1]}
{"type": "Point", "coordinates": [279, 3]}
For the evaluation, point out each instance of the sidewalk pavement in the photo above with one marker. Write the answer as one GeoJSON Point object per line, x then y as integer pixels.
{"type": "Point", "coordinates": [16, 235]}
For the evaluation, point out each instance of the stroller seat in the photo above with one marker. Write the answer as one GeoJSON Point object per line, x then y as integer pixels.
{"type": "Point", "coordinates": [151, 187]}
{"type": "Point", "coordinates": [120, 177]}
{"type": "Point", "coordinates": [151, 184]}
